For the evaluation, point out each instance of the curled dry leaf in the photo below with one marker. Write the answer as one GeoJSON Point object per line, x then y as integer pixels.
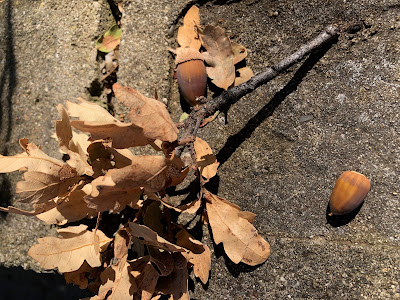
{"type": "Point", "coordinates": [67, 144]}
{"type": "Point", "coordinates": [149, 114]}
{"type": "Point", "coordinates": [149, 237]}
{"type": "Point", "coordinates": [79, 277]}
{"type": "Point", "coordinates": [244, 74]}
{"type": "Point", "coordinates": [219, 56]}
{"type": "Point", "coordinates": [117, 283]}
{"type": "Point", "coordinates": [101, 125]}
{"type": "Point", "coordinates": [146, 278]}
{"type": "Point", "coordinates": [72, 208]}
{"type": "Point", "coordinates": [68, 253]}
{"type": "Point", "coordinates": [187, 34]}
{"type": "Point", "coordinates": [241, 241]}
{"type": "Point", "coordinates": [46, 179]}
{"type": "Point", "coordinates": [199, 255]}
{"type": "Point", "coordinates": [176, 284]}
{"type": "Point", "coordinates": [206, 160]}
{"type": "Point", "coordinates": [122, 243]}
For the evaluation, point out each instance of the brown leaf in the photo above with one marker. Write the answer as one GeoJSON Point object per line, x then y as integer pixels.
{"type": "Point", "coordinates": [245, 74]}
{"type": "Point", "coordinates": [149, 237]}
{"type": "Point", "coordinates": [175, 284]}
{"type": "Point", "coordinates": [239, 52]}
{"type": "Point", "coordinates": [117, 283]}
{"type": "Point", "coordinates": [149, 114]}
{"type": "Point", "coordinates": [153, 173]}
{"type": "Point", "coordinates": [46, 178]}
{"type": "Point", "coordinates": [146, 278]}
{"type": "Point", "coordinates": [101, 125]}
{"type": "Point", "coordinates": [219, 56]}
{"type": "Point", "coordinates": [70, 251]}
{"type": "Point", "coordinates": [206, 160]}
{"type": "Point", "coordinates": [67, 144]}
{"type": "Point", "coordinates": [122, 242]}
{"type": "Point", "coordinates": [108, 199]}
{"type": "Point", "coordinates": [199, 255]}
{"type": "Point", "coordinates": [241, 241]}
{"type": "Point", "coordinates": [187, 33]}
{"type": "Point", "coordinates": [163, 260]}
{"type": "Point", "coordinates": [79, 277]}
{"type": "Point", "coordinates": [72, 208]}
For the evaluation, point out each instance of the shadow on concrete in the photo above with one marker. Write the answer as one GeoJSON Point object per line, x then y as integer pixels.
{"type": "Point", "coordinates": [17, 283]}
{"type": "Point", "coordinates": [340, 220]}
{"type": "Point", "coordinates": [234, 141]}
{"type": "Point", "coordinates": [8, 81]}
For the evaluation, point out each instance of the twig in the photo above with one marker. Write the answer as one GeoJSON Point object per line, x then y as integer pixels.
{"type": "Point", "coordinates": [232, 95]}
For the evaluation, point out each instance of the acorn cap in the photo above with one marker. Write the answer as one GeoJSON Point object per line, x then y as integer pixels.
{"type": "Point", "coordinates": [186, 54]}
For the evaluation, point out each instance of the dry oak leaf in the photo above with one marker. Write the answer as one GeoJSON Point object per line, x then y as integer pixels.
{"type": "Point", "coordinates": [153, 173]}
{"type": "Point", "coordinates": [187, 34]}
{"type": "Point", "coordinates": [199, 255]}
{"type": "Point", "coordinates": [239, 52]}
{"type": "Point", "coordinates": [122, 242]}
{"type": "Point", "coordinates": [112, 200]}
{"type": "Point", "coordinates": [206, 160]}
{"type": "Point", "coordinates": [79, 277]}
{"type": "Point", "coordinates": [101, 125]}
{"type": "Point", "coordinates": [117, 283]}
{"type": "Point", "coordinates": [219, 56]}
{"type": "Point", "coordinates": [149, 114]}
{"type": "Point", "coordinates": [67, 144]}
{"type": "Point", "coordinates": [72, 208]}
{"type": "Point", "coordinates": [68, 252]}
{"type": "Point", "coordinates": [241, 241]}
{"type": "Point", "coordinates": [151, 238]}
{"type": "Point", "coordinates": [146, 278]}
{"type": "Point", "coordinates": [46, 178]}
{"type": "Point", "coordinates": [245, 74]}
{"type": "Point", "coordinates": [176, 284]}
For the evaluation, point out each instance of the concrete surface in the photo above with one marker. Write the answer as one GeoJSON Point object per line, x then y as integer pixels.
{"type": "Point", "coordinates": [282, 149]}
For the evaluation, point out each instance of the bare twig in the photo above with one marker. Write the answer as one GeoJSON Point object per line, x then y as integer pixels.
{"type": "Point", "coordinates": [234, 94]}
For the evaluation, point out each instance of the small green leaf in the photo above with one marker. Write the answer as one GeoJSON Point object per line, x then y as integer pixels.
{"type": "Point", "coordinates": [109, 40]}
{"type": "Point", "coordinates": [183, 117]}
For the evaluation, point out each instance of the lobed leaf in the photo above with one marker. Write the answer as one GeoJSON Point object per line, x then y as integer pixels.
{"type": "Point", "coordinates": [205, 159]}
{"type": "Point", "coordinates": [187, 34]}
{"type": "Point", "coordinates": [219, 56]}
{"type": "Point", "coordinates": [149, 114]}
{"type": "Point", "coordinates": [68, 253]}
{"type": "Point", "coordinates": [101, 125]}
{"type": "Point", "coordinates": [244, 74]}
{"type": "Point", "coordinates": [230, 226]}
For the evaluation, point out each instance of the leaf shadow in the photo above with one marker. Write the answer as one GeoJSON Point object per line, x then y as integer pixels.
{"type": "Point", "coordinates": [17, 283]}
{"type": "Point", "coordinates": [234, 141]}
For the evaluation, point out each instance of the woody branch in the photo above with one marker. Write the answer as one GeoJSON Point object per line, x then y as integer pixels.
{"type": "Point", "coordinates": [232, 95]}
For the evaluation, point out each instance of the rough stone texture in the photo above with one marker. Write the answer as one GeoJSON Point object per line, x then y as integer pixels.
{"type": "Point", "coordinates": [47, 56]}
{"type": "Point", "coordinates": [284, 145]}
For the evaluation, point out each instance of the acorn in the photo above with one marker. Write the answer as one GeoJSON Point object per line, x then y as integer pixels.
{"type": "Point", "coordinates": [349, 192]}
{"type": "Point", "coordinates": [191, 74]}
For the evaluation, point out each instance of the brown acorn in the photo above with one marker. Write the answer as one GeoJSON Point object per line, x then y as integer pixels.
{"type": "Point", "coordinates": [191, 74]}
{"type": "Point", "coordinates": [349, 192]}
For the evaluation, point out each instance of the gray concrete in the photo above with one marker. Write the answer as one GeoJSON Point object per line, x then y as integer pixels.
{"type": "Point", "coordinates": [283, 147]}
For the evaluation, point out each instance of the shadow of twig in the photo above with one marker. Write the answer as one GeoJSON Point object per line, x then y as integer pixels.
{"type": "Point", "coordinates": [234, 141]}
